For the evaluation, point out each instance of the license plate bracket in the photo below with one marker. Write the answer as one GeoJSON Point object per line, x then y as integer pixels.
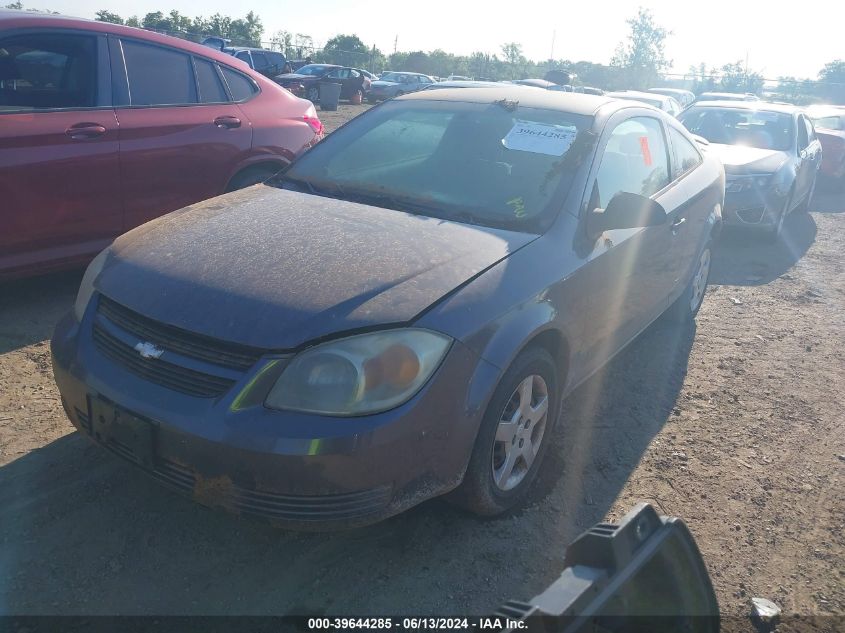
{"type": "Point", "coordinates": [123, 431]}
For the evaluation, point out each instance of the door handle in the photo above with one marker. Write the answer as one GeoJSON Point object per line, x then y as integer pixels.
{"type": "Point", "coordinates": [85, 131]}
{"type": "Point", "coordinates": [677, 225]}
{"type": "Point", "coordinates": [227, 122]}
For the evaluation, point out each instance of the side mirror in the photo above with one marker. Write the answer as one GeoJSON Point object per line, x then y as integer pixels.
{"type": "Point", "coordinates": [626, 211]}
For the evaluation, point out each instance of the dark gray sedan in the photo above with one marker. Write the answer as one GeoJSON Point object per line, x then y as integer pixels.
{"type": "Point", "coordinates": [398, 315]}
{"type": "Point", "coordinates": [392, 84]}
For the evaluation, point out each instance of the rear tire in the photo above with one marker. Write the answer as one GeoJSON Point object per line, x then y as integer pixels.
{"type": "Point", "coordinates": [524, 408]}
{"type": "Point", "coordinates": [685, 307]}
{"type": "Point", "coordinates": [252, 176]}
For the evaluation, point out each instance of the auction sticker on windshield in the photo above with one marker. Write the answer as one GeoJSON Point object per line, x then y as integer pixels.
{"type": "Point", "coordinates": [540, 138]}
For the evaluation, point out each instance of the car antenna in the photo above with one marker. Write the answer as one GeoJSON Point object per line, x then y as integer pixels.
{"type": "Point", "coordinates": [507, 104]}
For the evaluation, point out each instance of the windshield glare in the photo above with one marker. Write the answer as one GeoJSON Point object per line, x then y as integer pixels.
{"type": "Point", "coordinates": [751, 128]}
{"type": "Point", "coordinates": [464, 161]}
{"type": "Point", "coordinates": [396, 77]}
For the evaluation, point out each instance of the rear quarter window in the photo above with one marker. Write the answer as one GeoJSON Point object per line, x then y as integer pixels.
{"type": "Point", "coordinates": [241, 86]}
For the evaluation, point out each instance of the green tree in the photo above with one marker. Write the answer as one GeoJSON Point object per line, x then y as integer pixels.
{"type": "Point", "coordinates": [15, 5]}
{"type": "Point", "coordinates": [832, 77]}
{"type": "Point", "coordinates": [346, 50]}
{"type": "Point", "coordinates": [737, 78]}
{"type": "Point", "coordinates": [642, 57]}
{"type": "Point", "coordinates": [104, 15]}
{"type": "Point", "coordinates": [513, 57]}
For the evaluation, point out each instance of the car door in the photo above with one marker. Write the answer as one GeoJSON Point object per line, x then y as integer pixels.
{"type": "Point", "coordinates": [813, 156]}
{"type": "Point", "coordinates": [802, 169]}
{"type": "Point", "coordinates": [688, 204]}
{"type": "Point", "coordinates": [341, 76]}
{"type": "Point", "coordinates": [630, 271]}
{"type": "Point", "coordinates": [59, 174]}
{"type": "Point", "coordinates": [181, 130]}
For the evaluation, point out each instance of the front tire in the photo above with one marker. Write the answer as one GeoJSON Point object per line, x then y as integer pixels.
{"type": "Point", "coordinates": [313, 95]}
{"type": "Point", "coordinates": [689, 303]}
{"type": "Point", "coordinates": [513, 438]}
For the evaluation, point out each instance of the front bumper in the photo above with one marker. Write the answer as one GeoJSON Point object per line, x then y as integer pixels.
{"type": "Point", "coordinates": [301, 471]}
{"type": "Point", "coordinates": [754, 208]}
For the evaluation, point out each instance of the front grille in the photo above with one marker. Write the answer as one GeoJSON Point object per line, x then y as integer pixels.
{"type": "Point", "coordinates": [161, 372]}
{"type": "Point", "coordinates": [202, 348]}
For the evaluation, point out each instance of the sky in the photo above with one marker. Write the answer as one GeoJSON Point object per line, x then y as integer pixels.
{"type": "Point", "coordinates": [778, 39]}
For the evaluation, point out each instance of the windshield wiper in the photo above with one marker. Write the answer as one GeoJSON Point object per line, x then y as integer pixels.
{"type": "Point", "coordinates": [317, 190]}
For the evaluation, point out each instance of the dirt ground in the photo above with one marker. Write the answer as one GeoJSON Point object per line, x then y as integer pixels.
{"type": "Point", "coordinates": [735, 425]}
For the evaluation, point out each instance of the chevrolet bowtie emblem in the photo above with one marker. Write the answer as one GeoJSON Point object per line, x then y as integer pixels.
{"type": "Point", "coordinates": [148, 350]}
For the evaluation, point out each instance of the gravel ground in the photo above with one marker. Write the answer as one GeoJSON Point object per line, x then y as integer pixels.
{"type": "Point", "coordinates": [735, 425]}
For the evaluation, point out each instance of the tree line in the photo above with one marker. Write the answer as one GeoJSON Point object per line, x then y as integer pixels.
{"type": "Point", "coordinates": [638, 62]}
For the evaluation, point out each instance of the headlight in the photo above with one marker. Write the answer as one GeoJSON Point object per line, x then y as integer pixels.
{"type": "Point", "coordinates": [361, 374]}
{"type": "Point", "coordinates": [86, 288]}
{"type": "Point", "coordinates": [737, 183]}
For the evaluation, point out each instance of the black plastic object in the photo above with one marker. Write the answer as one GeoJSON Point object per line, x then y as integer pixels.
{"type": "Point", "coordinates": [645, 574]}
{"type": "Point", "coordinates": [329, 95]}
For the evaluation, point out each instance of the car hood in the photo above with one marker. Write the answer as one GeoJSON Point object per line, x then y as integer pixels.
{"type": "Point", "coordinates": [276, 269]}
{"type": "Point", "coordinates": [739, 158]}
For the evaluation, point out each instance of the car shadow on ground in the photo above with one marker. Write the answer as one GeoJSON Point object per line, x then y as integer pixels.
{"type": "Point", "coordinates": [30, 308]}
{"type": "Point", "coordinates": [86, 533]}
{"type": "Point", "coordinates": [826, 200]}
{"type": "Point", "coordinates": [742, 258]}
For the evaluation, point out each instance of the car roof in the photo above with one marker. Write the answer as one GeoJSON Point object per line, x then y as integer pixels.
{"type": "Point", "coordinates": [574, 102]}
{"type": "Point", "coordinates": [251, 48]}
{"type": "Point", "coordinates": [818, 111]}
{"type": "Point", "coordinates": [670, 91]}
{"type": "Point", "coordinates": [636, 94]}
{"type": "Point", "coordinates": [11, 18]}
{"type": "Point", "coordinates": [744, 95]}
{"type": "Point", "coordinates": [766, 106]}
{"type": "Point", "coordinates": [467, 83]}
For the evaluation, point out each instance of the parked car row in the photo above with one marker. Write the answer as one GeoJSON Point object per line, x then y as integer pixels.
{"type": "Point", "coordinates": [306, 81]}
{"type": "Point", "coordinates": [396, 313]}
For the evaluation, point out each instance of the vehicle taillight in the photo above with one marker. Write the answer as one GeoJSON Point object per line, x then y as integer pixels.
{"type": "Point", "coordinates": [315, 123]}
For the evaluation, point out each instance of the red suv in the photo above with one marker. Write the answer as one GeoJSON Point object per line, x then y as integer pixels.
{"type": "Point", "coordinates": [104, 127]}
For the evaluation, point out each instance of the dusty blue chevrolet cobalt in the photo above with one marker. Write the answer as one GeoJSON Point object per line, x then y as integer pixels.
{"type": "Point", "coordinates": [399, 314]}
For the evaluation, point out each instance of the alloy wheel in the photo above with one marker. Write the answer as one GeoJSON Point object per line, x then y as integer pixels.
{"type": "Point", "coordinates": [519, 435]}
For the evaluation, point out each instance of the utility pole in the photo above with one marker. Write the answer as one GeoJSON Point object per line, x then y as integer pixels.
{"type": "Point", "coordinates": [395, 42]}
{"type": "Point", "coordinates": [552, 54]}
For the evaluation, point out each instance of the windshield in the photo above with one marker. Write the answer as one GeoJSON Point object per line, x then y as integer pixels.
{"type": "Point", "coordinates": [480, 163]}
{"type": "Point", "coordinates": [312, 69]}
{"type": "Point", "coordinates": [736, 126]}
{"type": "Point", "coordinates": [395, 77]}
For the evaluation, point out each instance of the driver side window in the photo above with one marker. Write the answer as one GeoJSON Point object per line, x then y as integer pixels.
{"type": "Point", "coordinates": [635, 160]}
